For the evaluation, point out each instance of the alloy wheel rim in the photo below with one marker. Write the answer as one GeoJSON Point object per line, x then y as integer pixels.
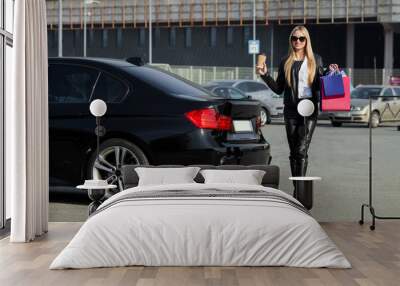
{"type": "Point", "coordinates": [111, 160]}
{"type": "Point", "coordinates": [375, 120]}
{"type": "Point", "coordinates": [263, 116]}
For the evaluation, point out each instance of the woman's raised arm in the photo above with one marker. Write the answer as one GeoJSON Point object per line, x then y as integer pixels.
{"type": "Point", "coordinates": [277, 85]}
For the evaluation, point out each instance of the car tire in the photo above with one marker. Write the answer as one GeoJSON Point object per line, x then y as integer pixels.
{"type": "Point", "coordinates": [265, 116]}
{"type": "Point", "coordinates": [375, 119]}
{"type": "Point", "coordinates": [109, 168]}
{"type": "Point", "coordinates": [336, 124]}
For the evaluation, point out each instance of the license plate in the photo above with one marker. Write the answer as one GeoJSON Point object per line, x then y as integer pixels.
{"type": "Point", "coordinates": [242, 126]}
{"type": "Point", "coordinates": [343, 114]}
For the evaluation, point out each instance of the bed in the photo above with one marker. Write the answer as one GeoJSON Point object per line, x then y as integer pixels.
{"type": "Point", "coordinates": [201, 224]}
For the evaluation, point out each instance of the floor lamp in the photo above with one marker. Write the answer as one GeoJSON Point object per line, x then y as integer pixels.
{"type": "Point", "coordinates": [96, 187]}
{"type": "Point", "coordinates": [98, 108]}
{"type": "Point", "coordinates": [304, 185]}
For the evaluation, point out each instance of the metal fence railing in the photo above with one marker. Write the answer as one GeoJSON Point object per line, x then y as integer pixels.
{"type": "Point", "coordinates": [204, 74]}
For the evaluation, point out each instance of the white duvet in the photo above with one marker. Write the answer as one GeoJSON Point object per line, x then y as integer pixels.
{"type": "Point", "coordinates": [202, 231]}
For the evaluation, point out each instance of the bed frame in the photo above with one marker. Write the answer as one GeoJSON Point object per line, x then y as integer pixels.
{"type": "Point", "coordinates": [271, 178]}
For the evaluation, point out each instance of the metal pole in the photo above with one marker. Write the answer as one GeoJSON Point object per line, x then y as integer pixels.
{"type": "Point", "coordinates": [150, 34]}
{"type": "Point", "coordinates": [370, 152]}
{"type": "Point", "coordinates": [254, 38]}
{"type": "Point", "coordinates": [60, 29]}
{"type": "Point", "coordinates": [272, 48]}
{"type": "Point", "coordinates": [84, 28]}
{"type": "Point", "coordinates": [98, 137]}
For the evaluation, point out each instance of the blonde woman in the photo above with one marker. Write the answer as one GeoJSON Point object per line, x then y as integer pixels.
{"type": "Point", "coordinates": [298, 79]}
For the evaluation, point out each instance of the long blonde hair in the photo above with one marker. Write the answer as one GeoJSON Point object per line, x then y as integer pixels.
{"type": "Point", "coordinates": [308, 53]}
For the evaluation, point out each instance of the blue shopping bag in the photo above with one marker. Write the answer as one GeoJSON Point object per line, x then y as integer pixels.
{"type": "Point", "coordinates": [332, 85]}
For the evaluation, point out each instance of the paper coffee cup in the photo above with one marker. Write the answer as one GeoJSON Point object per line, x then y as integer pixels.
{"type": "Point", "coordinates": [261, 58]}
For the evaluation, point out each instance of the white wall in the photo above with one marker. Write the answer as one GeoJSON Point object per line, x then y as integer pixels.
{"type": "Point", "coordinates": [9, 12]}
{"type": "Point", "coordinates": [8, 67]}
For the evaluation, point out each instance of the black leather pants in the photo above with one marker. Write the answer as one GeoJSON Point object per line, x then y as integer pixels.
{"type": "Point", "coordinates": [299, 143]}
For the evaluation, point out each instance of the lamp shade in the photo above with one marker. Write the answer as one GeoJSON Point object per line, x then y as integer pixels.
{"type": "Point", "coordinates": [98, 107]}
{"type": "Point", "coordinates": [305, 107]}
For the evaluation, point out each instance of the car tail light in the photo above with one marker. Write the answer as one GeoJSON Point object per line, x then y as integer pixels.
{"type": "Point", "coordinates": [258, 122]}
{"type": "Point", "coordinates": [209, 118]}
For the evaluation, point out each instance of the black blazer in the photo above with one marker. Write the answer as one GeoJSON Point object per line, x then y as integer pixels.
{"type": "Point", "coordinates": [290, 98]}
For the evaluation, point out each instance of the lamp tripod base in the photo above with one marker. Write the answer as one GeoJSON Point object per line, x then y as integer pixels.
{"type": "Point", "coordinates": [373, 214]}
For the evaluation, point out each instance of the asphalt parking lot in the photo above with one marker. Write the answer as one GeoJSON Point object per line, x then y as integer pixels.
{"type": "Point", "coordinates": [337, 154]}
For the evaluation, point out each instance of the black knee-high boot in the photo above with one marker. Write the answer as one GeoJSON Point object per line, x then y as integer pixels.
{"type": "Point", "coordinates": [301, 166]}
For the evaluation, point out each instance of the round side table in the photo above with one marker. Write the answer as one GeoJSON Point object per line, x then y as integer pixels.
{"type": "Point", "coordinates": [96, 194]}
{"type": "Point", "coordinates": [304, 190]}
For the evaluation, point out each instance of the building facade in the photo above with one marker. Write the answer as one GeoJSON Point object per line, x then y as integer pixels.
{"type": "Point", "coordinates": [360, 34]}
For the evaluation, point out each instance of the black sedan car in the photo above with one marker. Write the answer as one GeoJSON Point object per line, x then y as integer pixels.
{"type": "Point", "coordinates": [153, 117]}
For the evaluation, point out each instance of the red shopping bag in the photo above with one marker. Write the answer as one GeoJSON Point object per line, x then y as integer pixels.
{"type": "Point", "coordinates": [329, 103]}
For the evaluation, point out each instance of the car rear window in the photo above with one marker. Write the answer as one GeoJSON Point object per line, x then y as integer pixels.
{"type": "Point", "coordinates": [170, 83]}
{"type": "Point", "coordinates": [71, 83]}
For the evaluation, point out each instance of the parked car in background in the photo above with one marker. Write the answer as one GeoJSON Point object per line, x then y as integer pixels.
{"type": "Point", "coordinates": [153, 117]}
{"type": "Point", "coordinates": [271, 103]}
{"type": "Point", "coordinates": [394, 80]}
{"type": "Point", "coordinates": [235, 94]}
{"type": "Point", "coordinates": [227, 92]}
{"type": "Point", "coordinates": [383, 109]}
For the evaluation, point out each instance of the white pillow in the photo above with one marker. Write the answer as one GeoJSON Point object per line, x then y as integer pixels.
{"type": "Point", "coordinates": [248, 177]}
{"type": "Point", "coordinates": [163, 176]}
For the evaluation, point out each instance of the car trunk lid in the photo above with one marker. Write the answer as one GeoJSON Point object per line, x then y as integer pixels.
{"type": "Point", "coordinates": [232, 121]}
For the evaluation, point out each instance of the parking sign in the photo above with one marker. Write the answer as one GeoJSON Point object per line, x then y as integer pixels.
{"type": "Point", "coordinates": [254, 47]}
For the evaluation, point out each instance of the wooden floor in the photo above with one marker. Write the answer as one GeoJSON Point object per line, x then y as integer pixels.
{"type": "Point", "coordinates": [375, 257]}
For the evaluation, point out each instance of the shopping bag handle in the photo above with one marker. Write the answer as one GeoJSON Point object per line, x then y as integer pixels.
{"type": "Point", "coordinates": [336, 72]}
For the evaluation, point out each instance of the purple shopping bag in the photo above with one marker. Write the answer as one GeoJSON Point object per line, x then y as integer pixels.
{"type": "Point", "coordinates": [332, 85]}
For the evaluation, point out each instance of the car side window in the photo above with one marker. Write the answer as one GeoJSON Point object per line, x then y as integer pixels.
{"type": "Point", "coordinates": [234, 94]}
{"type": "Point", "coordinates": [387, 92]}
{"type": "Point", "coordinates": [260, 87]}
{"type": "Point", "coordinates": [243, 87]}
{"type": "Point", "coordinates": [396, 91]}
{"type": "Point", "coordinates": [253, 87]}
{"type": "Point", "coordinates": [110, 89]}
{"type": "Point", "coordinates": [221, 92]}
{"type": "Point", "coordinates": [71, 83]}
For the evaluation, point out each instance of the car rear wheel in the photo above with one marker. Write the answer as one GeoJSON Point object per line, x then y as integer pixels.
{"type": "Point", "coordinates": [375, 119]}
{"type": "Point", "coordinates": [336, 124]}
{"type": "Point", "coordinates": [265, 116]}
{"type": "Point", "coordinates": [115, 153]}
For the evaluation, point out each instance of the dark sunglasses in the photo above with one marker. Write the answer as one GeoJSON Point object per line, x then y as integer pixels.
{"type": "Point", "coordinates": [294, 38]}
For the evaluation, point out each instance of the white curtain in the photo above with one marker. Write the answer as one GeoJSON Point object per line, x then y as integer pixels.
{"type": "Point", "coordinates": [27, 148]}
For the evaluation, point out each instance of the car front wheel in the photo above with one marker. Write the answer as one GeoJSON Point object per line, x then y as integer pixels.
{"type": "Point", "coordinates": [265, 116]}
{"type": "Point", "coordinates": [113, 154]}
{"type": "Point", "coordinates": [375, 119]}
